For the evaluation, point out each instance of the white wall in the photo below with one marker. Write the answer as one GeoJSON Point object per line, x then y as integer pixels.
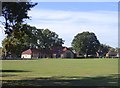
{"type": "Point", "coordinates": [25, 56]}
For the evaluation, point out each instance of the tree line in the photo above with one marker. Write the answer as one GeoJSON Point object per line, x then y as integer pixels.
{"type": "Point", "coordinates": [21, 36]}
{"type": "Point", "coordinates": [30, 37]}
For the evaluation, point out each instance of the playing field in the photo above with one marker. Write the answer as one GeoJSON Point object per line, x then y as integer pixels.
{"type": "Point", "coordinates": [83, 72]}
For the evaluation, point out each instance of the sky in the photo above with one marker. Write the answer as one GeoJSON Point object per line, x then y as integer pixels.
{"type": "Point", "coordinates": [68, 19]}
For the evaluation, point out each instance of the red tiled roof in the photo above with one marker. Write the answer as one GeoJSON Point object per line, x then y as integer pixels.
{"type": "Point", "coordinates": [29, 51]}
{"type": "Point", "coordinates": [52, 51]}
{"type": "Point", "coordinates": [33, 51]}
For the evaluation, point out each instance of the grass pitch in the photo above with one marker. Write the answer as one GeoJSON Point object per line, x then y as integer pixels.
{"type": "Point", "coordinates": [67, 72]}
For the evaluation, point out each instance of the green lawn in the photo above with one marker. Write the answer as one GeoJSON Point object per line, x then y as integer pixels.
{"type": "Point", "coordinates": [98, 72]}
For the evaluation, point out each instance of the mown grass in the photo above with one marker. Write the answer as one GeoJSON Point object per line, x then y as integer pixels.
{"type": "Point", "coordinates": [60, 72]}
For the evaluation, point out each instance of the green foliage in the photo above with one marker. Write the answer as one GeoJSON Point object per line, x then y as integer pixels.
{"type": "Point", "coordinates": [17, 42]}
{"type": "Point", "coordinates": [51, 39]}
{"type": "Point", "coordinates": [85, 43]}
{"type": "Point", "coordinates": [26, 36]}
{"type": "Point", "coordinates": [15, 13]}
{"type": "Point", "coordinates": [46, 39]}
{"type": "Point", "coordinates": [104, 48]}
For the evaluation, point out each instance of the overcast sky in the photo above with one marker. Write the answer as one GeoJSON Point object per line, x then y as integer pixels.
{"type": "Point", "coordinates": [70, 18]}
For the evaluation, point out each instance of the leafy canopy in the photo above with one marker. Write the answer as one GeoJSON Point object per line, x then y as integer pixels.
{"type": "Point", "coordinates": [15, 13]}
{"type": "Point", "coordinates": [30, 37]}
{"type": "Point", "coordinates": [85, 43]}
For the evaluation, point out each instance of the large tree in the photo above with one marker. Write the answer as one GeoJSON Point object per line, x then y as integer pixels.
{"type": "Point", "coordinates": [51, 39]}
{"type": "Point", "coordinates": [47, 40]}
{"type": "Point", "coordinates": [15, 13]}
{"type": "Point", "coordinates": [86, 43]}
{"type": "Point", "coordinates": [27, 36]}
{"type": "Point", "coordinates": [19, 40]}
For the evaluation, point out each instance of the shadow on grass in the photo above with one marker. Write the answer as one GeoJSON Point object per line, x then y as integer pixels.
{"type": "Point", "coordinates": [7, 75]}
{"type": "Point", "coordinates": [98, 81]}
{"type": "Point", "coordinates": [13, 71]}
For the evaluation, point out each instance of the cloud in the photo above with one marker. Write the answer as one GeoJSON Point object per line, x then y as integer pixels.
{"type": "Point", "coordinates": [2, 34]}
{"type": "Point", "coordinates": [69, 16]}
{"type": "Point", "coordinates": [68, 23]}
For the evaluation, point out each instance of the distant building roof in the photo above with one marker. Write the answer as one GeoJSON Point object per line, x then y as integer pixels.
{"type": "Point", "coordinates": [29, 51]}
{"type": "Point", "coordinates": [43, 51]}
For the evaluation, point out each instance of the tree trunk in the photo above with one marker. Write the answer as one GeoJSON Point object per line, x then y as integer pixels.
{"type": "Point", "coordinates": [86, 54]}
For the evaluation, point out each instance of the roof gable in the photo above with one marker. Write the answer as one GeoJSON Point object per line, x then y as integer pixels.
{"type": "Point", "coordinates": [29, 51]}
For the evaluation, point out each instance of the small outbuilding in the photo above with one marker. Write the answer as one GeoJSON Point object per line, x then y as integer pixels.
{"type": "Point", "coordinates": [62, 52]}
{"type": "Point", "coordinates": [32, 53]}
{"type": "Point", "coordinates": [67, 53]}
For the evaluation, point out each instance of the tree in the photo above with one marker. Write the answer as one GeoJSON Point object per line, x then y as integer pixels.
{"type": "Point", "coordinates": [19, 41]}
{"type": "Point", "coordinates": [48, 40]}
{"type": "Point", "coordinates": [86, 43]}
{"type": "Point", "coordinates": [51, 39]}
{"type": "Point", "coordinates": [45, 39]}
{"type": "Point", "coordinates": [104, 49]}
{"type": "Point", "coordinates": [15, 13]}
{"type": "Point", "coordinates": [26, 37]}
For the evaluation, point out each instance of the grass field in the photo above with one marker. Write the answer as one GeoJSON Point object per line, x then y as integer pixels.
{"type": "Point", "coordinates": [75, 72]}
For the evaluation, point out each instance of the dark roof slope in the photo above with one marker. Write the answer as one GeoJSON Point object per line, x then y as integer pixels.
{"type": "Point", "coordinates": [29, 51]}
